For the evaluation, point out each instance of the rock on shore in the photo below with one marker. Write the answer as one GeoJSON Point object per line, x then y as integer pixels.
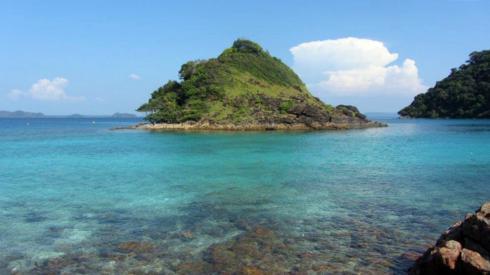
{"type": "Point", "coordinates": [463, 249]}
{"type": "Point", "coordinates": [206, 126]}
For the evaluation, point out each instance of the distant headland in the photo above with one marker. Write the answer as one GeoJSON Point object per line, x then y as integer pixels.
{"type": "Point", "coordinates": [465, 93]}
{"type": "Point", "coordinates": [244, 88]}
{"type": "Point", "coordinates": [23, 114]}
{"type": "Point", "coordinates": [20, 114]}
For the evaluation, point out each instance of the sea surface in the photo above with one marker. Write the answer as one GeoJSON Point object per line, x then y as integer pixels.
{"type": "Point", "coordinates": [78, 197]}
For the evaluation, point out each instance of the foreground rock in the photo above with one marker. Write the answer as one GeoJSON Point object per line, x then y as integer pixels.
{"type": "Point", "coordinates": [462, 249]}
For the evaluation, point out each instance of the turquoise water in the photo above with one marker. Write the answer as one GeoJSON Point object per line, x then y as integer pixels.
{"type": "Point", "coordinates": [78, 197]}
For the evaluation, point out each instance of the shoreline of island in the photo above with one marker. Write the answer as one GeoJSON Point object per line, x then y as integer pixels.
{"type": "Point", "coordinates": [206, 126]}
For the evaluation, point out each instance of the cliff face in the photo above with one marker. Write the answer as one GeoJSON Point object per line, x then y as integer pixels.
{"type": "Point", "coordinates": [463, 249]}
{"type": "Point", "coordinates": [244, 88]}
{"type": "Point", "coordinates": [465, 93]}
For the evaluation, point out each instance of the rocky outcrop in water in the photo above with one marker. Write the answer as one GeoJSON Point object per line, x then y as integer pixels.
{"type": "Point", "coordinates": [463, 249]}
{"type": "Point", "coordinates": [244, 88]}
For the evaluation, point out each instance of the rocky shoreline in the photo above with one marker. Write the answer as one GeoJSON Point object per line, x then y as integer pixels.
{"type": "Point", "coordinates": [206, 126]}
{"type": "Point", "coordinates": [463, 249]}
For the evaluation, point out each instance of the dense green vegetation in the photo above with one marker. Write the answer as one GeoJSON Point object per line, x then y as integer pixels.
{"type": "Point", "coordinates": [245, 84]}
{"type": "Point", "coordinates": [465, 93]}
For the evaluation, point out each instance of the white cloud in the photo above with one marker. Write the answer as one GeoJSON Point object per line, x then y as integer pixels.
{"type": "Point", "coordinates": [134, 77]}
{"type": "Point", "coordinates": [46, 90]}
{"type": "Point", "coordinates": [354, 66]}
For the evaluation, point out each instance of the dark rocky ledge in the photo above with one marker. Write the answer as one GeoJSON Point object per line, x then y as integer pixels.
{"type": "Point", "coordinates": [302, 117]}
{"type": "Point", "coordinates": [463, 249]}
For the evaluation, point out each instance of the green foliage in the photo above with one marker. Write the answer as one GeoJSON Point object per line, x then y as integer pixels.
{"type": "Point", "coordinates": [465, 93]}
{"type": "Point", "coordinates": [247, 46]}
{"type": "Point", "coordinates": [249, 57]}
{"type": "Point", "coordinates": [286, 106]}
{"type": "Point", "coordinates": [188, 69]}
{"type": "Point", "coordinates": [243, 82]}
{"type": "Point", "coordinates": [193, 111]}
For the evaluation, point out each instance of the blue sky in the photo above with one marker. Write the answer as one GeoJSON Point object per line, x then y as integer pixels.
{"type": "Point", "coordinates": [101, 57]}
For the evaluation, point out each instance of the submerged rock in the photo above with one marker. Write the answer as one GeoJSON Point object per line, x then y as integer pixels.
{"type": "Point", "coordinates": [258, 251]}
{"type": "Point", "coordinates": [136, 247]}
{"type": "Point", "coordinates": [462, 249]}
{"type": "Point", "coordinates": [186, 235]}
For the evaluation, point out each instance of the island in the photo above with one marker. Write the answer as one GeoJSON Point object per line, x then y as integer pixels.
{"type": "Point", "coordinates": [20, 114]}
{"type": "Point", "coordinates": [244, 88]}
{"type": "Point", "coordinates": [465, 93]}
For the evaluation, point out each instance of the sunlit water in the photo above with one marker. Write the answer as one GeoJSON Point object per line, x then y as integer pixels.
{"type": "Point", "coordinates": [77, 197]}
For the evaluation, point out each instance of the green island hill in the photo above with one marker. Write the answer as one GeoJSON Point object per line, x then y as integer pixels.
{"type": "Point", "coordinates": [465, 93]}
{"type": "Point", "coordinates": [244, 88]}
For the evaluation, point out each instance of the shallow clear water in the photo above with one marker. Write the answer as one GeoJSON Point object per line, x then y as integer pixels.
{"type": "Point", "coordinates": [78, 197]}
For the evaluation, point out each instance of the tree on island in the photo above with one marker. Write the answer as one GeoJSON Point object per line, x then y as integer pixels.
{"type": "Point", "coordinates": [465, 93]}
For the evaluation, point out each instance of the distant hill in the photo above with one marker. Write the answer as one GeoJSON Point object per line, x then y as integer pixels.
{"type": "Point", "coordinates": [115, 115]}
{"type": "Point", "coordinates": [244, 88]}
{"type": "Point", "coordinates": [465, 93]}
{"type": "Point", "coordinates": [20, 114]}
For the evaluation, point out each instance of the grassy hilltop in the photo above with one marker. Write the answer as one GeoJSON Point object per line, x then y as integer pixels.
{"type": "Point", "coordinates": [244, 85]}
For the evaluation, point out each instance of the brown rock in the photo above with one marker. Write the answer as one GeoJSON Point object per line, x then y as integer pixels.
{"type": "Point", "coordinates": [136, 247]}
{"type": "Point", "coordinates": [219, 254]}
{"type": "Point", "coordinates": [449, 254]}
{"type": "Point", "coordinates": [186, 235]}
{"type": "Point", "coordinates": [263, 232]}
{"type": "Point", "coordinates": [306, 255]}
{"type": "Point", "coordinates": [251, 270]}
{"type": "Point", "coordinates": [477, 227]}
{"type": "Point", "coordinates": [474, 263]}
{"type": "Point", "coordinates": [427, 263]}
{"type": "Point", "coordinates": [455, 232]}
{"type": "Point", "coordinates": [246, 249]}
{"type": "Point", "coordinates": [485, 210]}
{"type": "Point", "coordinates": [197, 267]}
{"type": "Point", "coordinates": [438, 260]}
{"type": "Point", "coordinates": [462, 249]}
{"type": "Point", "coordinates": [472, 245]}
{"type": "Point", "coordinates": [258, 251]}
{"type": "Point", "coordinates": [325, 268]}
